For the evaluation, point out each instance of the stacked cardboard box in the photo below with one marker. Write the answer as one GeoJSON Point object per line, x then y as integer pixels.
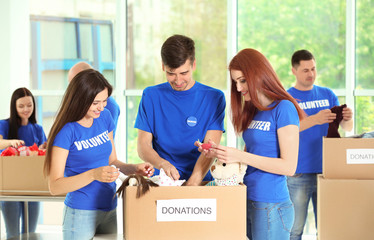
{"type": "Point", "coordinates": [346, 190]}
{"type": "Point", "coordinates": [23, 175]}
{"type": "Point", "coordinates": [185, 213]}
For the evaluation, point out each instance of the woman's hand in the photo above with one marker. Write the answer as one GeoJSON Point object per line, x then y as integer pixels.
{"type": "Point", "coordinates": [16, 143]}
{"type": "Point", "coordinates": [43, 146]}
{"type": "Point", "coordinates": [206, 150]}
{"type": "Point", "coordinates": [105, 174]}
{"type": "Point", "coordinates": [145, 169]}
{"type": "Point", "coordinates": [222, 153]}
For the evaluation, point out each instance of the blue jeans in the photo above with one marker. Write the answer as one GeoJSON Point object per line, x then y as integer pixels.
{"type": "Point", "coordinates": [269, 221]}
{"type": "Point", "coordinates": [84, 224]}
{"type": "Point", "coordinates": [302, 188]}
{"type": "Point", "coordinates": [13, 213]}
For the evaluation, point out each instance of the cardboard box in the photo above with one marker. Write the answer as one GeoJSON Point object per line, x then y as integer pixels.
{"type": "Point", "coordinates": [348, 158]}
{"type": "Point", "coordinates": [23, 176]}
{"type": "Point", "coordinates": [345, 209]}
{"type": "Point", "coordinates": [161, 214]}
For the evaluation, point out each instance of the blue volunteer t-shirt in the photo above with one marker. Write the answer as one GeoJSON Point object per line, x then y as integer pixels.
{"type": "Point", "coordinates": [89, 148]}
{"type": "Point", "coordinates": [261, 138]}
{"type": "Point", "coordinates": [177, 119]}
{"type": "Point", "coordinates": [310, 148]}
{"type": "Point", "coordinates": [31, 133]}
{"type": "Point", "coordinates": [114, 110]}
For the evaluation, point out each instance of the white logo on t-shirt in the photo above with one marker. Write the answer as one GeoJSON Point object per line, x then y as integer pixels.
{"type": "Point", "coordinates": [92, 142]}
{"type": "Point", "coordinates": [260, 125]}
{"type": "Point", "coordinates": [314, 104]}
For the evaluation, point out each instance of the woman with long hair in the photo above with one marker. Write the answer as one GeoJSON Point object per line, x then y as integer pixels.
{"type": "Point", "coordinates": [267, 118]}
{"type": "Point", "coordinates": [20, 129]}
{"type": "Point", "coordinates": [80, 156]}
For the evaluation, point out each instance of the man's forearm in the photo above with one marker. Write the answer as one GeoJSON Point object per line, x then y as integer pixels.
{"type": "Point", "coordinates": [347, 125]}
{"type": "Point", "coordinates": [200, 170]}
{"type": "Point", "coordinates": [150, 155]}
{"type": "Point", "coordinates": [307, 122]}
{"type": "Point", "coordinates": [203, 164]}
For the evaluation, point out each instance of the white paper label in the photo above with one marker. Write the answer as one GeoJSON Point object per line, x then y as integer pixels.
{"type": "Point", "coordinates": [175, 210]}
{"type": "Point", "coordinates": [360, 156]}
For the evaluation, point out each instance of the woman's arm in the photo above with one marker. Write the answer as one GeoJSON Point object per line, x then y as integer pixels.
{"type": "Point", "coordinates": [4, 143]}
{"type": "Point", "coordinates": [58, 184]}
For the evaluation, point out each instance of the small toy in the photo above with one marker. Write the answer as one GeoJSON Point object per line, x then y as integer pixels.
{"type": "Point", "coordinates": [205, 146]}
{"type": "Point", "coordinates": [227, 174]}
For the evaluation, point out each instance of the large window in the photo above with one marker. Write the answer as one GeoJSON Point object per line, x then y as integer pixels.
{"type": "Point", "coordinates": [364, 84]}
{"type": "Point", "coordinates": [282, 27]}
{"type": "Point", "coordinates": [52, 55]}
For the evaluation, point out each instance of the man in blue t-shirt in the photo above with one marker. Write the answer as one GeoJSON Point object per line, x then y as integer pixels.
{"type": "Point", "coordinates": [175, 114]}
{"type": "Point", "coordinates": [111, 105]}
{"type": "Point", "coordinates": [316, 101]}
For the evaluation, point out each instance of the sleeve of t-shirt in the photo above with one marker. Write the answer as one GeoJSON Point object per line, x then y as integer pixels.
{"type": "Point", "coordinates": [335, 100]}
{"type": "Point", "coordinates": [108, 119]}
{"type": "Point", "coordinates": [41, 135]}
{"type": "Point", "coordinates": [286, 114]}
{"type": "Point", "coordinates": [219, 115]}
{"type": "Point", "coordinates": [64, 137]}
{"type": "Point", "coordinates": [4, 128]}
{"type": "Point", "coordinates": [114, 110]}
{"type": "Point", "coordinates": [142, 119]}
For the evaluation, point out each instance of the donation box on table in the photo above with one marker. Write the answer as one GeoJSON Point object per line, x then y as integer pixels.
{"type": "Point", "coordinates": [185, 213]}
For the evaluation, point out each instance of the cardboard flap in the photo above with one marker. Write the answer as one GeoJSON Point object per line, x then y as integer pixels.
{"type": "Point", "coordinates": [337, 153]}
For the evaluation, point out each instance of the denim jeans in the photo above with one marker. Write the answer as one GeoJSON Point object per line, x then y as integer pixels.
{"type": "Point", "coordinates": [269, 221]}
{"type": "Point", "coordinates": [13, 213]}
{"type": "Point", "coordinates": [84, 224]}
{"type": "Point", "coordinates": [302, 188]}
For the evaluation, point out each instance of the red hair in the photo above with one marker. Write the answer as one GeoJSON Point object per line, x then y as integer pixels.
{"type": "Point", "coordinates": [260, 77]}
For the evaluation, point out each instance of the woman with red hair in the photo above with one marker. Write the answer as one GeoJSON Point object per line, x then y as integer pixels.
{"type": "Point", "coordinates": [268, 118]}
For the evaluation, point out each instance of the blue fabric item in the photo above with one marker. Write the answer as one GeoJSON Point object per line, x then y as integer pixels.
{"type": "Point", "coordinates": [31, 133]}
{"type": "Point", "coordinates": [177, 119]}
{"type": "Point", "coordinates": [303, 188]}
{"type": "Point", "coordinates": [310, 148]}
{"type": "Point", "coordinates": [368, 135]}
{"type": "Point", "coordinates": [261, 138]}
{"type": "Point", "coordinates": [84, 224]}
{"type": "Point", "coordinates": [114, 110]}
{"type": "Point", "coordinates": [88, 148]}
{"type": "Point", "coordinates": [269, 221]}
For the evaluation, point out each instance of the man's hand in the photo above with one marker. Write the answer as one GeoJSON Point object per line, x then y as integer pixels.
{"type": "Point", "coordinates": [170, 170]}
{"type": "Point", "coordinates": [347, 114]}
{"type": "Point", "coordinates": [324, 116]}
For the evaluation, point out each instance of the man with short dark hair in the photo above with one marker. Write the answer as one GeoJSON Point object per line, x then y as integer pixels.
{"type": "Point", "coordinates": [316, 101]}
{"type": "Point", "coordinates": [175, 114]}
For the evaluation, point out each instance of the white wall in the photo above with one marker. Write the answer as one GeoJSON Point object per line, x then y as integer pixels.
{"type": "Point", "coordinates": [14, 49]}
